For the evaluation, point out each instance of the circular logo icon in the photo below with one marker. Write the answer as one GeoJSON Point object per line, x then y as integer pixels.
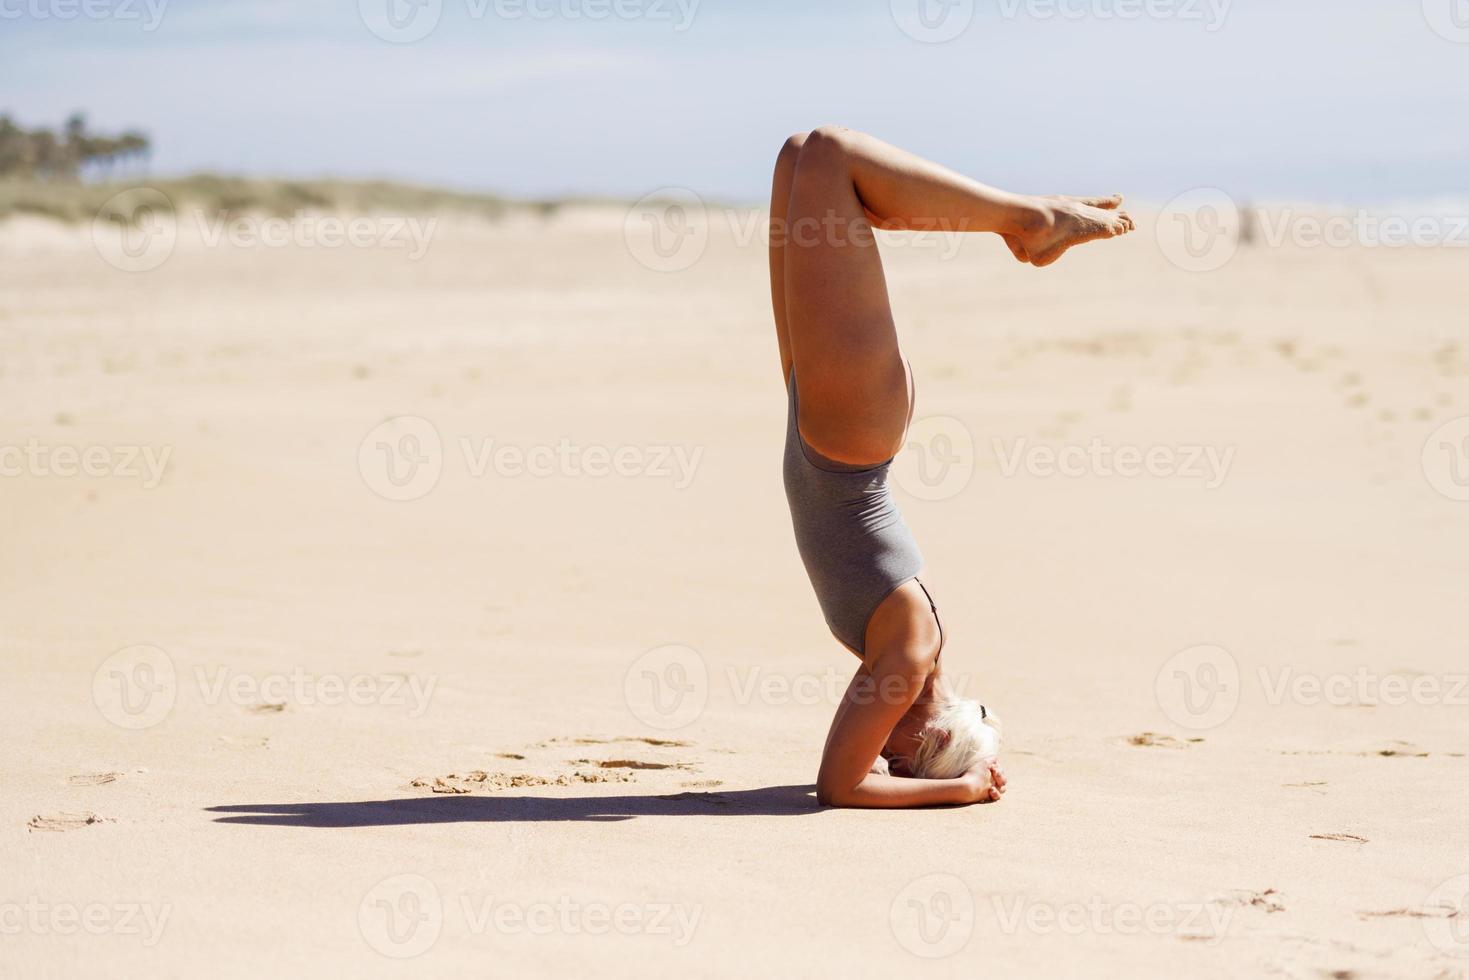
{"type": "Point", "coordinates": [1199, 230]}
{"type": "Point", "coordinates": [933, 917]}
{"type": "Point", "coordinates": [668, 230]}
{"type": "Point", "coordinates": [402, 458]}
{"type": "Point", "coordinates": [1446, 459]}
{"type": "Point", "coordinates": [937, 459]}
{"type": "Point", "coordinates": [1447, 922]}
{"type": "Point", "coordinates": [135, 230]}
{"type": "Point", "coordinates": [135, 687]}
{"type": "Point", "coordinates": [933, 21]}
{"type": "Point", "coordinates": [401, 916]}
{"type": "Point", "coordinates": [1448, 18]}
{"type": "Point", "coordinates": [1199, 688]}
{"type": "Point", "coordinates": [401, 21]}
{"type": "Point", "coordinates": [667, 688]}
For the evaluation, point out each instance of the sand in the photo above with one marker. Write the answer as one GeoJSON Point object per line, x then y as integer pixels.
{"type": "Point", "coordinates": [279, 703]}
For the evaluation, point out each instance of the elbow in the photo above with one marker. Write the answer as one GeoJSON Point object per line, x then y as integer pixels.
{"type": "Point", "coordinates": [825, 793]}
{"type": "Point", "coordinates": [830, 792]}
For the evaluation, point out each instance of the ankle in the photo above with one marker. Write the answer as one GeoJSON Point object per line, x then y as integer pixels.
{"type": "Point", "coordinates": [1030, 215]}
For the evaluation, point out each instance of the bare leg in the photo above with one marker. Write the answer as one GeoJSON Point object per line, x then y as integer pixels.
{"type": "Point", "coordinates": [838, 344]}
{"type": "Point", "coordinates": [830, 295]}
{"type": "Point", "coordinates": [903, 192]}
{"type": "Point", "coordinates": [780, 200]}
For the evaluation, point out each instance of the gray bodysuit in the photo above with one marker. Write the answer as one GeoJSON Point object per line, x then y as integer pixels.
{"type": "Point", "coordinates": [854, 543]}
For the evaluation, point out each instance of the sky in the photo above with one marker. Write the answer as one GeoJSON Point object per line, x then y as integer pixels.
{"type": "Point", "coordinates": [1339, 101]}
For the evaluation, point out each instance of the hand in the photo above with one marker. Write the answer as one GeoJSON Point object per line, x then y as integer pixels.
{"type": "Point", "coordinates": [984, 782]}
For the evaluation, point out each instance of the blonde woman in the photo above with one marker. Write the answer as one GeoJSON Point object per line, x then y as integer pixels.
{"type": "Point", "coordinates": [901, 736]}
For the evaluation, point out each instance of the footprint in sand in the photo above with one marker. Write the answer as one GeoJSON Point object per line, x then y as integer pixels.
{"type": "Point", "coordinates": [479, 780]}
{"type": "Point", "coordinates": [1154, 740]}
{"type": "Point", "coordinates": [588, 740]}
{"type": "Point", "coordinates": [93, 778]}
{"type": "Point", "coordinates": [1440, 913]}
{"type": "Point", "coordinates": [616, 770]}
{"type": "Point", "coordinates": [1405, 750]}
{"type": "Point", "coordinates": [1266, 901]}
{"type": "Point", "coordinates": [629, 764]}
{"type": "Point", "coordinates": [1400, 749]}
{"type": "Point", "coordinates": [245, 741]}
{"type": "Point", "coordinates": [57, 822]}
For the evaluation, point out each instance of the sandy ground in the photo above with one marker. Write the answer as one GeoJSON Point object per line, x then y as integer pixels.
{"type": "Point", "coordinates": [324, 690]}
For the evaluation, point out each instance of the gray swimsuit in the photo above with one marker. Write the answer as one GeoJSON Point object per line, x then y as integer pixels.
{"type": "Point", "coordinates": [854, 543]}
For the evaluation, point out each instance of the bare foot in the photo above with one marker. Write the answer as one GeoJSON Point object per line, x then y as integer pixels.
{"type": "Point", "coordinates": [1059, 223]}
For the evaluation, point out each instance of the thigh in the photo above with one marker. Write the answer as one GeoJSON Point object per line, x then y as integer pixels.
{"type": "Point", "coordinates": [851, 377]}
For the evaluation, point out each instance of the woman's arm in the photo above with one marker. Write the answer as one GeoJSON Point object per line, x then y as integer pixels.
{"type": "Point", "coordinates": [877, 791]}
{"type": "Point", "coordinates": [874, 702]}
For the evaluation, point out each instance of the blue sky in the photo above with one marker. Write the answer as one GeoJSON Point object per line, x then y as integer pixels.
{"type": "Point", "coordinates": [1329, 100]}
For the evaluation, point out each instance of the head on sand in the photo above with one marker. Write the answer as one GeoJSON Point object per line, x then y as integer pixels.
{"type": "Point", "coordinates": [942, 739]}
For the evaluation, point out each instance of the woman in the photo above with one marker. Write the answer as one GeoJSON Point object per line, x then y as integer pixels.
{"type": "Point", "coordinates": [901, 737]}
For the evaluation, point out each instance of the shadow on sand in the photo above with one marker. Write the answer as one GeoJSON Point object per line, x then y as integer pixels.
{"type": "Point", "coordinates": [767, 801]}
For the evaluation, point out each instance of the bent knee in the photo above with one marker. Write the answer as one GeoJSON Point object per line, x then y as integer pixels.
{"type": "Point", "coordinates": [794, 143]}
{"type": "Point", "coordinates": [832, 134]}
{"type": "Point", "coordinates": [786, 160]}
{"type": "Point", "coordinates": [790, 152]}
{"type": "Point", "coordinates": [825, 147]}
{"type": "Point", "coordinates": [826, 151]}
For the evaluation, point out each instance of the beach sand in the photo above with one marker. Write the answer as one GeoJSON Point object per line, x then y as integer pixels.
{"type": "Point", "coordinates": [322, 690]}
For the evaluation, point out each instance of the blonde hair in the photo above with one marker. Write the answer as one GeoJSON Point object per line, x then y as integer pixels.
{"type": "Point", "coordinates": [959, 735]}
